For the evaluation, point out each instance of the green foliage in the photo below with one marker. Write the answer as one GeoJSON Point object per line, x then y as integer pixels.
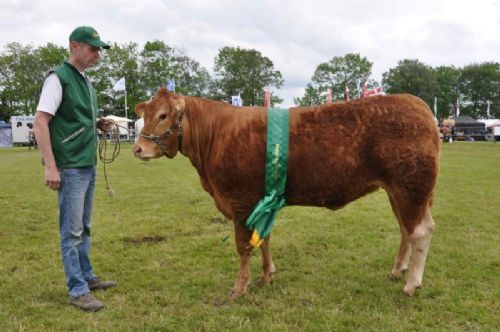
{"type": "Point", "coordinates": [192, 78]}
{"type": "Point", "coordinates": [480, 83]}
{"type": "Point", "coordinates": [311, 97]}
{"type": "Point", "coordinates": [245, 72]}
{"type": "Point", "coordinates": [341, 71]}
{"type": "Point", "coordinates": [162, 239]}
{"type": "Point", "coordinates": [350, 70]}
{"type": "Point", "coordinates": [158, 65]}
{"type": "Point", "coordinates": [117, 62]}
{"type": "Point", "coordinates": [22, 71]}
{"type": "Point", "coordinates": [448, 90]}
{"type": "Point", "coordinates": [412, 76]}
{"type": "Point", "coordinates": [474, 84]}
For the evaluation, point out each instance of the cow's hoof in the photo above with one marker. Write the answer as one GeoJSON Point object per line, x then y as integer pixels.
{"type": "Point", "coordinates": [261, 282]}
{"type": "Point", "coordinates": [394, 276]}
{"type": "Point", "coordinates": [410, 290]}
{"type": "Point", "coordinates": [234, 295]}
{"type": "Point", "coordinates": [265, 280]}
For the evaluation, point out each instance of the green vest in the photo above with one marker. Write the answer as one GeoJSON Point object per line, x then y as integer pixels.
{"type": "Point", "coordinates": [73, 128]}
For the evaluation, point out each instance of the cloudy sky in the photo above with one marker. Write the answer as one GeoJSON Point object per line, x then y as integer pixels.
{"type": "Point", "coordinates": [295, 35]}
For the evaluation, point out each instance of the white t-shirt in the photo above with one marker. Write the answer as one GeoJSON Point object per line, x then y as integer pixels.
{"type": "Point", "coordinates": [51, 96]}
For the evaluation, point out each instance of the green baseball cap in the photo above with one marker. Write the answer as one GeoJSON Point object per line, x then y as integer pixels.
{"type": "Point", "coordinates": [87, 35]}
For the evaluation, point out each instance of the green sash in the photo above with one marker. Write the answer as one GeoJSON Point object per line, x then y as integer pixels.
{"type": "Point", "coordinates": [264, 214]}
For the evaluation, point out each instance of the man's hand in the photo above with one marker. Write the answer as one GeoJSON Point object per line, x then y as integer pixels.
{"type": "Point", "coordinates": [105, 124]}
{"type": "Point", "coordinates": [42, 134]}
{"type": "Point", "coordinates": [52, 178]}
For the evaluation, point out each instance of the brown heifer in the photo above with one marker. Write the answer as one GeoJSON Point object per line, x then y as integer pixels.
{"type": "Point", "coordinates": [337, 153]}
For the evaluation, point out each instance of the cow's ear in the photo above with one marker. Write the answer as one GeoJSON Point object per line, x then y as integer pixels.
{"type": "Point", "coordinates": [179, 104]}
{"type": "Point", "coordinates": [140, 108]}
{"type": "Point", "coordinates": [163, 92]}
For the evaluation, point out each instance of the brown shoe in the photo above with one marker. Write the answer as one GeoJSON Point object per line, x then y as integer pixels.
{"type": "Point", "coordinates": [98, 283]}
{"type": "Point", "coordinates": [87, 302]}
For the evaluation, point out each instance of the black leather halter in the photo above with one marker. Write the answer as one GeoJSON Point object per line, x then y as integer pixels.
{"type": "Point", "coordinates": [169, 132]}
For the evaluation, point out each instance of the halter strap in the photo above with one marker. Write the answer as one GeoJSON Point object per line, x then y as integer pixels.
{"type": "Point", "coordinates": [169, 132]}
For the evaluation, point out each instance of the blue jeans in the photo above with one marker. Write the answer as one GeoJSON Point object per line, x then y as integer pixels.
{"type": "Point", "coordinates": [76, 196]}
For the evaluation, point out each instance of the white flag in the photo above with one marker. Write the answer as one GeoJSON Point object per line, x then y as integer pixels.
{"type": "Point", "coordinates": [119, 85]}
{"type": "Point", "coordinates": [237, 101]}
{"type": "Point", "coordinates": [171, 85]}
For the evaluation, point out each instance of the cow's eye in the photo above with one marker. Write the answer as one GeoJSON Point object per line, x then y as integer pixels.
{"type": "Point", "coordinates": [163, 116]}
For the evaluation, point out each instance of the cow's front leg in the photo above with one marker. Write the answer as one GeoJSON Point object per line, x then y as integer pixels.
{"type": "Point", "coordinates": [267, 263]}
{"type": "Point", "coordinates": [242, 237]}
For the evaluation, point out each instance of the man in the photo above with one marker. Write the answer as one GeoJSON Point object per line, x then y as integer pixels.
{"type": "Point", "coordinates": [66, 132]}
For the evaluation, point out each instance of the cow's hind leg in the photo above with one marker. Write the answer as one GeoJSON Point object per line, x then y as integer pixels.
{"type": "Point", "coordinates": [420, 240]}
{"type": "Point", "coordinates": [403, 257]}
{"type": "Point", "coordinates": [267, 263]}
{"type": "Point", "coordinates": [242, 237]}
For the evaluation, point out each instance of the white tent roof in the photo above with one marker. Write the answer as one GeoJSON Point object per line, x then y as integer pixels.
{"type": "Point", "coordinates": [491, 123]}
{"type": "Point", "coordinates": [117, 118]}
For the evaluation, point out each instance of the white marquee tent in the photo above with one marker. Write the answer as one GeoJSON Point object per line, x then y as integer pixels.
{"type": "Point", "coordinates": [494, 124]}
{"type": "Point", "coordinates": [5, 135]}
{"type": "Point", "coordinates": [122, 122]}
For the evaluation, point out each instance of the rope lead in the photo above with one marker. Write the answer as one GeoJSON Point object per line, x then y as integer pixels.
{"type": "Point", "coordinates": [103, 146]}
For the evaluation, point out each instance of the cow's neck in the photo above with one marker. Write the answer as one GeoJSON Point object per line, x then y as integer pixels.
{"type": "Point", "coordinates": [200, 129]}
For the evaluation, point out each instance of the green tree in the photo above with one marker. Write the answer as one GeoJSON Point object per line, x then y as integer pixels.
{"type": "Point", "coordinates": [158, 64]}
{"type": "Point", "coordinates": [192, 79]}
{"type": "Point", "coordinates": [414, 77]}
{"type": "Point", "coordinates": [16, 77]}
{"type": "Point", "coordinates": [117, 62]}
{"type": "Point", "coordinates": [311, 97]}
{"type": "Point", "coordinates": [8, 100]}
{"type": "Point", "coordinates": [245, 72]}
{"type": "Point", "coordinates": [351, 70]}
{"type": "Point", "coordinates": [22, 71]}
{"type": "Point", "coordinates": [480, 83]}
{"type": "Point", "coordinates": [448, 90]}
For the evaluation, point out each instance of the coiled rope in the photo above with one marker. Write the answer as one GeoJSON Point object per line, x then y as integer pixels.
{"type": "Point", "coordinates": [103, 149]}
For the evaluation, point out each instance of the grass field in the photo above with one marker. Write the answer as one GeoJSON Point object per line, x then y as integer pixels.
{"type": "Point", "coordinates": [162, 239]}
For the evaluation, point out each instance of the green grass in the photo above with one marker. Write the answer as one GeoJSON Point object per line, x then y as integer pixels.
{"type": "Point", "coordinates": [162, 239]}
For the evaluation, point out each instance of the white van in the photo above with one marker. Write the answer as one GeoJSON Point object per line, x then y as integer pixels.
{"type": "Point", "coordinates": [21, 126]}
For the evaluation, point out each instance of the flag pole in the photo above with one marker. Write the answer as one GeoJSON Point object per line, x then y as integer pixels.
{"type": "Point", "coordinates": [126, 113]}
{"type": "Point", "coordinates": [435, 107]}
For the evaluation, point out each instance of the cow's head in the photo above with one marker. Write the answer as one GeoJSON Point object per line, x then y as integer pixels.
{"type": "Point", "coordinates": [162, 125]}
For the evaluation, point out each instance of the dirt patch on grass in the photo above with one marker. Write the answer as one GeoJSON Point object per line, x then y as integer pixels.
{"type": "Point", "coordinates": [143, 239]}
{"type": "Point", "coordinates": [218, 220]}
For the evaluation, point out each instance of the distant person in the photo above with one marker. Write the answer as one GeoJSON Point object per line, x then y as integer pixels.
{"type": "Point", "coordinates": [31, 140]}
{"type": "Point", "coordinates": [66, 131]}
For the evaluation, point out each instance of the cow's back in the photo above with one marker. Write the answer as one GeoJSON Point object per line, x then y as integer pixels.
{"type": "Point", "coordinates": [340, 152]}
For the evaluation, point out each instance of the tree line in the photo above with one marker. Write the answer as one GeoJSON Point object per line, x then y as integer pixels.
{"type": "Point", "coordinates": [244, 72]}
{"type": "Point", "coordinates": [470, 88]}
{"type": "Point", "coordinates": [23, 69]}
